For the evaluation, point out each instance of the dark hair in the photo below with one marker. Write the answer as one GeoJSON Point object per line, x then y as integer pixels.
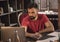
{"type": "Point", "coordinates": [32, 5]}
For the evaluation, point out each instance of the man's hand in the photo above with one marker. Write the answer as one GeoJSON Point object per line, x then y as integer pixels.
{"type": "Point", "coordinates": [36, 35]}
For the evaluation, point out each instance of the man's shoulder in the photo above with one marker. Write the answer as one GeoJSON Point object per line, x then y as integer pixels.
{"type": "Point", "coordinates": [41, 15]}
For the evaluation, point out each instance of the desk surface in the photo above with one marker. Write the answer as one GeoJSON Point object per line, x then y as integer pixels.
{"type": "Point", "coordinates": [48, 39]}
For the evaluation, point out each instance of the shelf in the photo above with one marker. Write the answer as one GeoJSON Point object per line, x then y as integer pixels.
{"type": "Point", "coordinates": [4, 14]}
{"type": "Point", "coordinates": [2, 0]}
{"type": "Point", "coordinates": [53, 19]}
{"type": "Point", "coordinates": [13, 24]}
{"type": "Point", "coordinates": [10, 12]}
{"type": "Point", "coordinates": [48, 13]}
{"type": "Point", "coordinates": [16, 11]}
{"type": "Point", "coordinates": [51, 14]}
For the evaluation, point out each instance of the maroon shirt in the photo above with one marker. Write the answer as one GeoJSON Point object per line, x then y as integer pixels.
{"type": "Point", "coordinates": [37, 25]}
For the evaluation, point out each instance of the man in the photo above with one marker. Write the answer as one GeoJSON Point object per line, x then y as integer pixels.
{"type": "Point", "coordinates": [34, 22]}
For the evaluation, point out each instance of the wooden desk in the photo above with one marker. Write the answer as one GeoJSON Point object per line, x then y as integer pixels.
{"type": "Point", "coordinates": [53, 39]}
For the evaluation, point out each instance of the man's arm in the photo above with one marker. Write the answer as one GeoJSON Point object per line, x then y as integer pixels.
{"type": "Point", "coordinates": [49, 27]}
{"type": "Point", "coordinates": [26, 33]}
{"type": "Point", "coordinates": [24, 25]}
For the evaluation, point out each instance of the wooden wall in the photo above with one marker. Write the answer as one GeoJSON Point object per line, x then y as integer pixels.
{"type": "Point", "coordinates": [59, 13]}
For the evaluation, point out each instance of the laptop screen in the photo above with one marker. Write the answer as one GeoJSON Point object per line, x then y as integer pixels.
{"type": "Point", "coordinates": [12, 34]}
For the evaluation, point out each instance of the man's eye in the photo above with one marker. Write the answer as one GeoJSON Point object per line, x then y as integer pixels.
{"type": "Point", "coordinates": [32, 12]}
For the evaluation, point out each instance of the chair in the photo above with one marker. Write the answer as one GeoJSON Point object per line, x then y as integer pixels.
{"type": "Point", "coordinates": [20, 17]}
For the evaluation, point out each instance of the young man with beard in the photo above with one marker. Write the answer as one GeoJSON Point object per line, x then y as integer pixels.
{"type": "Point", "coordinates": [34, 22]}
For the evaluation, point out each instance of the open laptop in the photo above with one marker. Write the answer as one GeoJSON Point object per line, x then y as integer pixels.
{"type": "Point", "coordinates": [13, 34]}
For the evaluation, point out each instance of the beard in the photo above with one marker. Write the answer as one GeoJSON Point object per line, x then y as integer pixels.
{"type": "Point", "coordinates": [32, 17]}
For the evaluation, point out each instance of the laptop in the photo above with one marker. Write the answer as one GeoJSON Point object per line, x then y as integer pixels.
{"type": "Point", "coordinates": [13, 34]}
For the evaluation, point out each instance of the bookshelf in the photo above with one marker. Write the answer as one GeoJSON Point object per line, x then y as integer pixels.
{"type": "Point", "coordinates": [11, 9]}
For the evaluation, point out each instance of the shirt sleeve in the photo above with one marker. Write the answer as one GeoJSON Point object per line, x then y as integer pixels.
{"type": "Point", "coordinates": [45, 18]}
{"type": "Point", "coordinates": [24, 22]}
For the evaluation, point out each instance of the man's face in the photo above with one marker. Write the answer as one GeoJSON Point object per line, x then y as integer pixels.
{"type": "Point", "coordinates": [32, 13]}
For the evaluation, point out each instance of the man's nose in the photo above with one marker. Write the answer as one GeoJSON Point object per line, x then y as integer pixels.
{"type": "Point", "coordinates": [31, 14]}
